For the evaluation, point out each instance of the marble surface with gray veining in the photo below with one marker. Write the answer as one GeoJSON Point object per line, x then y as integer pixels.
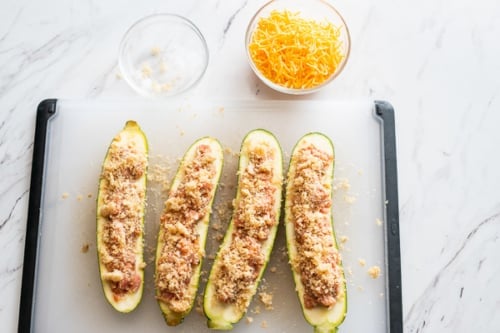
{"type": "Point", "coordinates": [436, 61]}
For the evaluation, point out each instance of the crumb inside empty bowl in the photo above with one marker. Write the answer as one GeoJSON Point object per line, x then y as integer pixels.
{"type": "Point", "coordinates": [163, 55]}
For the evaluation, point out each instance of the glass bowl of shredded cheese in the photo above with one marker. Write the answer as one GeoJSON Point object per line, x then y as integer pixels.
{"type": "Point", "coordinates": [296, 46]}
{"type": "Point", "coordinates": [163, 55]}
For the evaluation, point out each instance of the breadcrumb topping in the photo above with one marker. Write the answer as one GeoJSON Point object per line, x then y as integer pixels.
{"type": "Point", "coordinates": [254, 217]}
{"type": "Point", "coordinates": [122, 208]}
{"type": "Point", "coordinates": [374, 272]}
{"type": "Point", "coordinates": [318, 260]}
{"type": "Point", "coordinates": [186, 206]}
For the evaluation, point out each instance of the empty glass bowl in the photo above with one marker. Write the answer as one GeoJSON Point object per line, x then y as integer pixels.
{"type": "Point", "coordinates": [163, 55]}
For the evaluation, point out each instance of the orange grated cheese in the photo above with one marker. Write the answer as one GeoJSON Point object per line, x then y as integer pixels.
{"type": "Point", "coordinates": [295, 52]}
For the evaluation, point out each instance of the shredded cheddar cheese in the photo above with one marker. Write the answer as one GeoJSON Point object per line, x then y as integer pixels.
{"type": "Point", "coordinates": [295, 52]}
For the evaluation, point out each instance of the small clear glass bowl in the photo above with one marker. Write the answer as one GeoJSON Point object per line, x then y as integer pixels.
{"type": "Point", "coordinates": [315, 10]}
{"type": "Point", "coordinates": [163, 55]}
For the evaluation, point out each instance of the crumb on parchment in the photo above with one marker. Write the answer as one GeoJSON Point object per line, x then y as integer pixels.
{"type": "Point", "coordinates": [146, 70]}
{"type": "Point", "coordinates": [362, 262]}
{"type": "Point", "coordinates": [85, 248]}
{"type": "Point", "coordinates": [374, 272]}
{"type": "Point", "coordinates": [349, 199]}
{"type": "Point", "coordinates": [378, 222]}
{"type": "Point", "coordinates": [256, 310]}
{"type": "Point", "coordinates": [155, 51]}
{"type": "Point", "coordinates": [267, 300]}
{"type": "Point", "coordinates": [65, 195]}
{"type": "Point", "coordinates": [344, 184]}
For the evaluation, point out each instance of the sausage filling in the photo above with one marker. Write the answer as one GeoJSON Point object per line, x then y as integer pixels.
{"type": "Point", "coordinates": [253, 218]}
{"type": "Point", "coordinates": [318, 260]}
{"type": "Point", "coordinates": [123, 197]}
{"type": "Point", "coordinates": [184, 209]}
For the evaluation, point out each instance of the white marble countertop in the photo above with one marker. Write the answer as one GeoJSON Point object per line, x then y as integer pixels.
{"type": "Point", "coordinates": [437, 62]}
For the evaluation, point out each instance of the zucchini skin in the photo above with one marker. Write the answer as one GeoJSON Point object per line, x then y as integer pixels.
{"type": "Point", "coordinates": [324, 320]}
{"type": "Point", "coordinates": [220, 315]}
{"type": "Point", "coordinates": [171, 316]}
{"type": "Point", "coordinates": [128, 302]}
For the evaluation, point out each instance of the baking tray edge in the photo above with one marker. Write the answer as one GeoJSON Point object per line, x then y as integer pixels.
{"type": "Point", "coordinates": [47, 109]}
{"type": "Point", "coordinates": [385, 112]}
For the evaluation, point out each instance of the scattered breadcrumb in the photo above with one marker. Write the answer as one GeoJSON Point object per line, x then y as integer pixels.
{"type": "Point", "coordinates": [263, 324]}
{"type": "Point", "coordinates": [256, 310]}
{"type": "Point", "coordinates": [381, 294]}
{"type": "Point", "coordinates": [89, 195]}
{"type": "Point", "coordinates": [267, 300]}
{"type": "Point", "coordinates": [284, 253]}
{"type": "Point", "coordinates": [349, 271]}
{"type": "Point", "coordinates": [229, 151]}
{"type": "Point", "coordinates": [79, 197]}
{"type": "Point", "coordinates": [273, 269]}
{"type": "Point", "coordinates": [163, 67]}
{"type": "Point", "coordinates": [166, 87]}
{"type": "Point", "coordinates": [146, 70]}
{"type": "Point", "coordinates": [159, 171]}
{"type": "Point", "coordinates": [349, 199]}
{"type": "Point", "coordinates": [221, 110]}
{"type": "Point", "coordinates": [374, 272]}
{"type": "Point", "coordinates": [211, 257]}
{"type": "Point", "coordinates": [362, 262]}
{"type": "Point", "coordinates": [199, 305]}
{"type": "Point", "coordinates": [378, 221]}
{"type": "Point", "coordinates": [249, 320]}
{"type": "Point", "coordinates": [119, 76]}
{"type": "Point", "coordinates": [155, 86]}
{"type": "Point", "coordinates": [65, 195]}
{"type": "Point", "coordinates": [155, 51]}
{"type": "Point", "coordinates": [85, 248]}
{"type": "Point", "coordinates": [344, 239]}
{"type": "Point", "coordinates": [344, 184]}
{"type": "Point", "coordinates": [360, 288]}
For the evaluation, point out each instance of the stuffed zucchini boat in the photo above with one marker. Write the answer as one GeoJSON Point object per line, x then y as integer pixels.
{"type": "Point", "coordinates": [183, 229]}
{"type": "Point", "coordinates": [246, 248]}
{"type": "Point", "coordinates": [312, 248]}
{"type": "Point", "coordinates": [120, 218]}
